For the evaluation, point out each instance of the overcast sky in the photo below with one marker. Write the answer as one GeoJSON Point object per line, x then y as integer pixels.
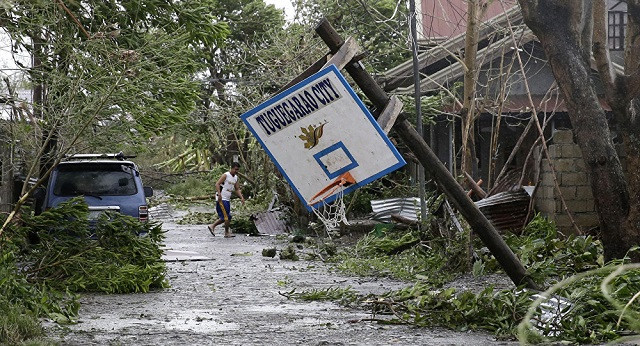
{"type": "Point", "coordinates": [283, 4]}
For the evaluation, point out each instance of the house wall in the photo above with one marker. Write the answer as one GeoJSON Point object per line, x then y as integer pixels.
{"type": "Point", "coordinates": [441, 20]}
{"type": "Point", "coordinates": [569, 166]}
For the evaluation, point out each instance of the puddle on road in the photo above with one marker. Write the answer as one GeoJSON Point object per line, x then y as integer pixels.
{"type": "Point", "coordinates": [199, 321]}
{"type": "Point", "coordinates": [200, 326]}
{"type": "Point", "coordinates": [301, 308]}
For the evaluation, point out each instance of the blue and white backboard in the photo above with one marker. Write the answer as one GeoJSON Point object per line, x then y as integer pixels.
{"type": "Point", "coordinates": [318, 129]}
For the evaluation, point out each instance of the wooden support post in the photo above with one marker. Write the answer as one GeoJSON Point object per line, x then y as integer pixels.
{"type": "Point", "coordinates": [344, 55]}
{"type": "Point", "coordinates": [479, 223]}
{"type": "Point", "coordinates": [390, 113]}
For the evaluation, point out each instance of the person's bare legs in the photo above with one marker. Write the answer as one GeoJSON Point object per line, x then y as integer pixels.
{"type": "Point", "coordinates": [216, 224]}
{"type": "Point", "coordinates": [227, 232]}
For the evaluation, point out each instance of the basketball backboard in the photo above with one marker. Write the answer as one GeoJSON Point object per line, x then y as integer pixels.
{"type": "Point", "coordinates": [319, 129]}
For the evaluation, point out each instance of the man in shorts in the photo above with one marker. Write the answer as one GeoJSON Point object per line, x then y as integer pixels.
{"type": "Point", "coordinates": [227, 183]}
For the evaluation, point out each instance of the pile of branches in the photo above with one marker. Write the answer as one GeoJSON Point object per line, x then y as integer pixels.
{"type": "Point", "coordinates": [46, 259]}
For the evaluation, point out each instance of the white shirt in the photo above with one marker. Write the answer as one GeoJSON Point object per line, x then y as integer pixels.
{"type": "Point", "coordinates": [228, 186]}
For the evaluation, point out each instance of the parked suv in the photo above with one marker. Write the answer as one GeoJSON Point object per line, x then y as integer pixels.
{"type": "Point", "coordinates": [107, 182]}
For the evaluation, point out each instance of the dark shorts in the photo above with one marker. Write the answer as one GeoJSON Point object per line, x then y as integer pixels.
{"type": "Point", "coordinates": [224, 210]}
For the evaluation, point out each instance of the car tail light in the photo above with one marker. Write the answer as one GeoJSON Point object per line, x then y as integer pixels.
{"type": "Point", "coordinates": [143, 213]}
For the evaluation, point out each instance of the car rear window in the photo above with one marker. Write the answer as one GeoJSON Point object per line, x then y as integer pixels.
{"type": "Point", "coordinates": [95, 179]}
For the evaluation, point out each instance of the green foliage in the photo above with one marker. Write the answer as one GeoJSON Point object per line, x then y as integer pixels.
{"type": "Point", "coordinates": [17, 326]}
{"type": "Point", "coordinates": [548, 254]}
{"type": "Point", "coordinates": [122, 69]}
{"type": "Point", "coordinates": [198, 218]}
{"type": "Point", "coordinates": [23, 301]}
{"type": "Point", "coordinates": [379, 26]}
{"type": "Point", "coordinates": [601, 308]}
{"type": "Point", "coordinates": [397, 254]}
{"type": "Point", "coordinates": [496, 311]}
{"type": "Point", "coordinates": [430, 106]}
{"type": "Point", "coordinates": [18, 322]}
{"type": "Point", "coordinates": [289, 253]}
{"type": "Point", "coordinates": [119, 255]}
{"type": "Point", "coordinates": [343, 295]}
{"type": "Point", "coordinates": [242, 224]}
{"type": "Point", "coordinates": [269, 252]}
{"type": "Point", "coordinates": [601, 298]}
{"type": "Point", "coordinates": [122, 255]}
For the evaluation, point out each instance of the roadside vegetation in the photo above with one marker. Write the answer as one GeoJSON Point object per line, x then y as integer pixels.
{"type": "Point", "coordinates": [589, 301]}
{"type": "Point", "coordinates": [47, 260]}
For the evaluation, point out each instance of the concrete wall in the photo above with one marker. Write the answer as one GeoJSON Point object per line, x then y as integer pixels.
{"type": "Point", "coordinates": [569, 166]}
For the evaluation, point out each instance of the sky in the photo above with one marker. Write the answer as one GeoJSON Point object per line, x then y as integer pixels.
{"type": "Point", "coordinates": [283, 4]}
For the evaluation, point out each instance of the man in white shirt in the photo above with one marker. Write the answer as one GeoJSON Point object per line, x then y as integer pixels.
{"type": "Point", "coordinates": [227, 183]}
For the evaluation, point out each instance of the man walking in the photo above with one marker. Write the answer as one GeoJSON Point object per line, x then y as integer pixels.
{"type": "Point", "coordinates": [227, 183]}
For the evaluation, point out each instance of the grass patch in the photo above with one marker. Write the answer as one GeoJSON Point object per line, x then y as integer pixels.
{"type": "Point", "coordinates": [18, 325]}
{"type": "Point", "coordinates": [195, 185]}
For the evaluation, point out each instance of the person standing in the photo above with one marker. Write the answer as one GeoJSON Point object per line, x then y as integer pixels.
{"type": "Point", "coordinates": [227, 183]}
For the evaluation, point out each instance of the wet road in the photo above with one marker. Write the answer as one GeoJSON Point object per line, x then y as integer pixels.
{"type": "Point", "coordinates": [233, 299]}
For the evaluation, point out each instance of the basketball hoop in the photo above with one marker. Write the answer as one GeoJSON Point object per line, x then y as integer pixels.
{"type": "Point", "coordinates": [332, 214]}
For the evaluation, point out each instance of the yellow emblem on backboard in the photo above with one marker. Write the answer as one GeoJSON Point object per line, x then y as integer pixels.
{"type": "Point", "coordinates": [311, 135]}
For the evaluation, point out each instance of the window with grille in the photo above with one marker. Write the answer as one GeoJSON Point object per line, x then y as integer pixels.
{"type": "Point", "coordinates": [617, 26]}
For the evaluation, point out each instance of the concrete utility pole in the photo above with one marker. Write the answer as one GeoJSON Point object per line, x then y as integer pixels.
{"type": "Point", "coordinates": [454, 192]}
{"type": "Point", "coordinates": [417, 98]}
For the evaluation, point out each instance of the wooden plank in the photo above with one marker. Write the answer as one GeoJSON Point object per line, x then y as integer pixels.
{"type": "Point", "coordinates": [454, 192]}
{"type": "Point", "coordinates": [388, 117]}
{"type": "Point", "coordinates": [343, 56]}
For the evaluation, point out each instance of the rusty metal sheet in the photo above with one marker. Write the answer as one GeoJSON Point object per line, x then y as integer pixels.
{"type": "Point", "coordinates": [507, 210]}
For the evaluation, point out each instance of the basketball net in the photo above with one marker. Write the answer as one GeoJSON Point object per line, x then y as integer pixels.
{"type": "Point", "coordinates": [334, 213]}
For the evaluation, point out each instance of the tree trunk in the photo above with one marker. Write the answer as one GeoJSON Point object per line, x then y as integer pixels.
{"type": "Point", "coordinates": [631, 135]}
{"type": "Point", "coordinates": [564, 29]}
{"type": "Point", "coordinates": [632, 148]}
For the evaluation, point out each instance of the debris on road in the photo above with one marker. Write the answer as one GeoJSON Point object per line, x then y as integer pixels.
{"type": "Point", "coordinates": [179, 256]}
{"type": "Point", "coordinates": [269, 252]}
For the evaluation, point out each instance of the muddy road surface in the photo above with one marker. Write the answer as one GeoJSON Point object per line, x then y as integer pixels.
{"type": "Point", "coordinates": [233, 298]}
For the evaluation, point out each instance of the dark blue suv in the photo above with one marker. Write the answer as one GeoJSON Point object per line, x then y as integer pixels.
{"type": "Point", "coordinates": [108, 182]}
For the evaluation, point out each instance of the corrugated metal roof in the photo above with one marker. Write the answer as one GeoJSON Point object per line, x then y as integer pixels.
{"type": "Point", "coordinates": [507, 211]}
{"type": "Point", "coordinates": [406, 207]}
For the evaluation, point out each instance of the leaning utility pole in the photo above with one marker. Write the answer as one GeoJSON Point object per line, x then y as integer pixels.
{"type": "Point", "coordinates": [478, 222]}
